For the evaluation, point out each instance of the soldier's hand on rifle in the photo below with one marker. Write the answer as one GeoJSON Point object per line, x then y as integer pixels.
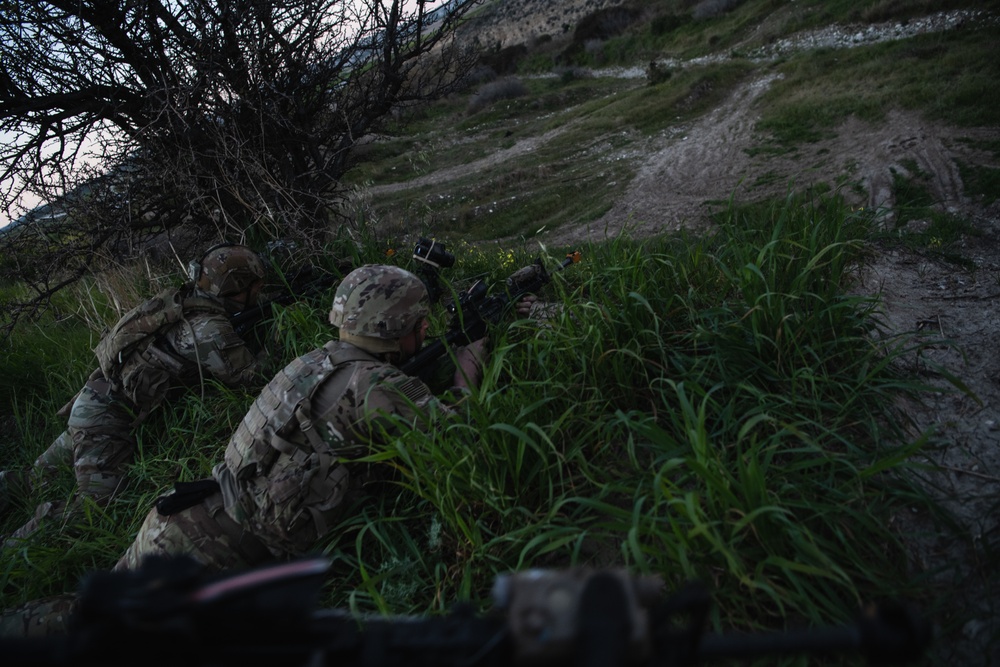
{"type": "Point", "coordinates": [542, 311]}
{"type": "Point", "coordinates": [469, 364]}
{"type": "Point", "coordinates": [524, 305]}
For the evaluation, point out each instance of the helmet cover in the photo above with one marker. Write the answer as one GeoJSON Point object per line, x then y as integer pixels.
{"type": "Point", "coordinates": [378, 301]}
{"type": "Point", "coordinates": [227, 270]}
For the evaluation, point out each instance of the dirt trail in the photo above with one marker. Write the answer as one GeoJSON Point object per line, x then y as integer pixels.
{"type": "Point", "coordinates": [708, 161]}
{"type": "Point", "coordinates": [450, 174]}
{"type": "Point", "coordinates": [680, 172]}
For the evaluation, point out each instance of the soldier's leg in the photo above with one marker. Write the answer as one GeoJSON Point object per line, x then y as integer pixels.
{"type": "Point", "coordinates": [58, 456]}
{"type": "Point", "coordinates": [47, 511]}
{"type": "Point", "coordinates": [195, 531]}
{"type": "Point", "coordinates": [38, 618]}
{"type": "Point", "coordinates": [16, 484]}
{"type": "Point", "coordinates": [98, 443]}
{"type": "Point", "coordinates": [102, 441]}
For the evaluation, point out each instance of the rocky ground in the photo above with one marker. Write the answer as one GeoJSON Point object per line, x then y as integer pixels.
{"type": "Point", "coordinates": [956, 309]}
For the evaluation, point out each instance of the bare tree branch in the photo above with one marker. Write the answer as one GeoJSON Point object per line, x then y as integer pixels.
{"type": "Point", "coordinates": [140, 119]}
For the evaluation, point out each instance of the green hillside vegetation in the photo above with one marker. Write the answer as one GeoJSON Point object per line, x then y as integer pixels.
{"type": "Point", "coordinates": [571, 178]}
{"type": "Point", "coordinates": [721, 408]}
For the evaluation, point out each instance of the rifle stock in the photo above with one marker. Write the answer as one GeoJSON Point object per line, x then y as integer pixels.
{"type": "Point", "coordinates": [166, 613]}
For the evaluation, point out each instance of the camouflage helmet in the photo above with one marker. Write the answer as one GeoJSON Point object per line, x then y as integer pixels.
{"type": "Point", "coordinates": [229, 269]}
{"type": "Point", "coordinates": [377, 301]}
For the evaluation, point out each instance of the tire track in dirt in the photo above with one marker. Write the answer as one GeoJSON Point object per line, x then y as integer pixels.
{"type": "Point", "coordinates": [907, 145]}
{"type": "Point", "coordinates": [957, 313]}
{"type": "Point", "coordinates": [451, 173]}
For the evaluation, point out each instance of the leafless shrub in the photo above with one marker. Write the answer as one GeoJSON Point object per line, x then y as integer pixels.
{"type": "Point", "coordinates": [476, 77]}
{"type": "Point", "coordinates": [237, 123]}
{"type": "Point", "coordinates": [567, 74]}
{"type": "Point", "coordinates": [502, 89]}
{"type": "Point", "coordinates": [711, 8]}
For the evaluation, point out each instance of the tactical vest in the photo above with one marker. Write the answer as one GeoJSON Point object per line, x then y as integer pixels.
{"type": "Point", "coordinates": [279, 472]}
{"type": "Point", "coordinates": [130, 360]}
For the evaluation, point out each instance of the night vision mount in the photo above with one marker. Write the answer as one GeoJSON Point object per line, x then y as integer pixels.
{"type": "Point", "coordinates": [432, 256]}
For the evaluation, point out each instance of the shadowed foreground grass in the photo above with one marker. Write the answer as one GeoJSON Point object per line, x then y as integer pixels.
{"type": "Point", "coordinates": [716, 409]}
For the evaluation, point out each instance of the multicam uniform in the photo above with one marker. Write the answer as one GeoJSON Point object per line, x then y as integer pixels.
{"type": "Point", "coordinates": [283, 482]}
{"type": "Point", "coordinates": [279, 489]}
{"type": "Point", "coordinates": [99, 440]}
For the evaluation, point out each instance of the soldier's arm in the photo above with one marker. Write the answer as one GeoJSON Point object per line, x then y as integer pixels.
{"type": "Point", "coordinates": [396, 400]}
{"type": "Point", "coordinates": [212, 343]}
{"type": "Point", "coordinates": [469, 365]}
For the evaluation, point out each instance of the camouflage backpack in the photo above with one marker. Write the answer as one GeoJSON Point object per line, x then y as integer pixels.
{"type": "Point", "coordinates": [126, 355]}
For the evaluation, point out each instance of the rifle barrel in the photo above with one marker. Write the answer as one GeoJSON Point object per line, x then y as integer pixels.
{"type": "Point", "coordinates": [472, 321]}
{"type": "Point", "coordinates": [829, 640]}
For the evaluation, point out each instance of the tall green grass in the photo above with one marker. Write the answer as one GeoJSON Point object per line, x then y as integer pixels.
{"type": "Point", "coordinates": [43, 367]}
{"type": "Point", "coordinates": [716, 409]}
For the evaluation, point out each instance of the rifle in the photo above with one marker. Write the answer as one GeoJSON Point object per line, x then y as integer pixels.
{"type": "Point", "coordinates": [476, 309]}
{"type": "Point", "coordinates": [306, 282]}
{"type": "Point", "coordinates": [168, 613]}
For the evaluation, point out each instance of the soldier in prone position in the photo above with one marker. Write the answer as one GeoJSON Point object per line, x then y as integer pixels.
{"type": "Point", "coordinates": [283, 483]}
{"type": "Point", "coordinates": [173, 341]}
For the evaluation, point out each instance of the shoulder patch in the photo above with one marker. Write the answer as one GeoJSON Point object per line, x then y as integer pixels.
{"type": "Point", "coordinates": [413, 389]}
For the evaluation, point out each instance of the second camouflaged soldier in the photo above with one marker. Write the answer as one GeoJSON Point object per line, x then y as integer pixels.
{"type": "Point", "coordinates": [283, 483]}
{"type": "Point", "coordinates": [176, 340]}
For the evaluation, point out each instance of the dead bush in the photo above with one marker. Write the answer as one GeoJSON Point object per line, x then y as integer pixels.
{"type": "Point", "coordinates": [502, 89]}
{"type": "Point", "coordinates": [476, 77]}
{"type": "Point", "coordinates": [711, 8]}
